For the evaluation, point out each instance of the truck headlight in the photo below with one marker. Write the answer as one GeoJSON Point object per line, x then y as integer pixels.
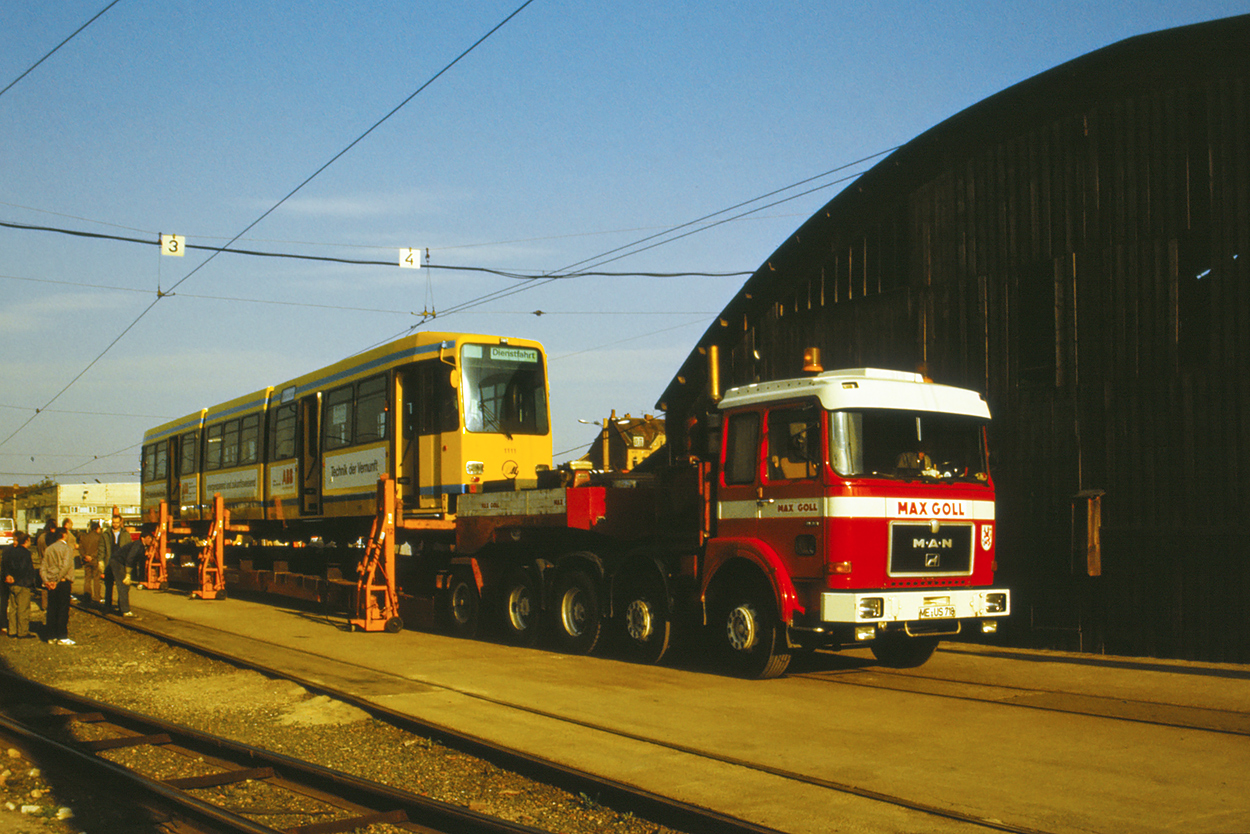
{"type": "Point", "coordinates": [870, 608]}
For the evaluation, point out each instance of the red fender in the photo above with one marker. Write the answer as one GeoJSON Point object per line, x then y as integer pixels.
{"type": "Point", "coordinates": [719, 551]}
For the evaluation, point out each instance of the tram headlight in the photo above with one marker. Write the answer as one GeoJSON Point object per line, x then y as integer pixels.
{"type": "Point", "coordinates": [474, 467]}
{"type": "Point", "coordinates": [995, 603]}
{"type": "Point", "coordinates": [870, 608]}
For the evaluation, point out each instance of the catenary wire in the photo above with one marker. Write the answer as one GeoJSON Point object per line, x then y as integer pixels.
{"type": "Point", "coordinates": [273, 208]}
{"type": "Point", "coordinates": [520, 276]}
{"type": "Point", "coordinates": [58, 46]}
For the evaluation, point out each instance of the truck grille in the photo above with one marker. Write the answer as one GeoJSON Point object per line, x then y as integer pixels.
{"type": "Point", "coordinates": [919, 550]}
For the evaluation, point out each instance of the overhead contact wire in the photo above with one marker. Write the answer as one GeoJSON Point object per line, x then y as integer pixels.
{"type": "Point", "coordinates": [58, 46]}
{"type": "Point", "coordinates": [251, 225]}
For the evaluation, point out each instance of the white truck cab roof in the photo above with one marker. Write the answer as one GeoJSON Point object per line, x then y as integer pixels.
{"type": "Point", "coordinates": [861, 388]}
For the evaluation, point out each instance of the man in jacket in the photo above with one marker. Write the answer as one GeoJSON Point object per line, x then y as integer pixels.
{"type": "Point", "coordinates": [57, 571]}
{"type": "Point", "coordinates": [123, 561]}
{"type": "Point", "coordinates": [18, 575]}
{"type": "Point", "coordinates": [89, 550]}
{"type": "Point", "coordinates": [111, 541]}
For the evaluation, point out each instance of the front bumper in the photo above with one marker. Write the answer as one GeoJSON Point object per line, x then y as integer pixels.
{"type": "Point", "coordinates": [866, 607]}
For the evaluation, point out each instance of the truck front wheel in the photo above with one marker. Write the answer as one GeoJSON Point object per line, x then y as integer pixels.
{"type": "Point", "coordinates": [751, 636]}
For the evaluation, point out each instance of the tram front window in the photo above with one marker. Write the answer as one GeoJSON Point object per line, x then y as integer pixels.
{"type": "Point", "coordinates": [504, 390]}
{"type": "Point", "coordinates": [907, 445]}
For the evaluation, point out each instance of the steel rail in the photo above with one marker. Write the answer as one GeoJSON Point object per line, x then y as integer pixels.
{"type": "Point", "coordinates": [1112, 708]}
{"type": "Point", "coordinates": [376, 802]}
{"type": "Point", "coordinates": [673, 813]}
{"type": "Point", "coordinates": [154, 794]}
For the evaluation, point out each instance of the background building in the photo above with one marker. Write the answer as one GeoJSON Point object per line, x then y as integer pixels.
{"type": "Point", "coordinates": [1076, 248]}
{"type": "Point", "coordinates": [83, 503]}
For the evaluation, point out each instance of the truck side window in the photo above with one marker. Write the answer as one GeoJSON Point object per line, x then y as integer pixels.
{"type": "Point", "coordinates": [793, 443]}
{"type": "Point", "coordinates": [742, 447]}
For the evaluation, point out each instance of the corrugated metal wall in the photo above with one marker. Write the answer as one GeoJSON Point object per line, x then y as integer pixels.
{"type": "Point", "coordinates": [1088, 272]}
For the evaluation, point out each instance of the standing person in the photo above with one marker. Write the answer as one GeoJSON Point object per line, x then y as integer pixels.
{"type": "Point", "coordinates": [72, 540]}
{"type": "Point", "coordinates": [89, 549]}
{"type": "Point", "coordinates": [18, 577]}
{"type": "Point", "coordinates": [113, 540]}
{"type": "Point", "coordinates": [121, 563]}
{"type": "Point", "coordinates": [41, 544]}
{"type": "Point", "coordinates": [4, 586]}
{"type": "Point", "coordinates": [57, 570]}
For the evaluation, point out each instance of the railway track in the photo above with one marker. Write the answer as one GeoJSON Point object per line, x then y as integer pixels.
{"type": "Point", "coordinates": [234, 787]}
{"type": "Point", "coordinates": [1111, 707]}
{"type": "Point", "coordinates": [614, 794]}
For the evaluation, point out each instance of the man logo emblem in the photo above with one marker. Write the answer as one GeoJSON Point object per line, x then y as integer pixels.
{"type": "Point", "coordinates": [932, 560]}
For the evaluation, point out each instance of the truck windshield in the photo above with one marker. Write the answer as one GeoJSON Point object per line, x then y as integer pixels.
{"type": "Point", "coordinates": [907, 445]}
{"type": "Point", "coordinates": [504, 389]}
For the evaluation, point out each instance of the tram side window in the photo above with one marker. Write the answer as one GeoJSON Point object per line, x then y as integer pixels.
{"type": "Point", "coordinates": [212, 452]}
{"type": "Point", "coordinates": [793, 443]}
{"type": "Point", "coordinates": [282, 441]}
{"type": "Point", "coordinates": [371, 410]}
{"type": "Point", "coordinates": [190, 453]}
{"type": "Point", "coordinates": [249, 439]}
{"type": "Point", "coordinates": [155, 461]}
{"type": "Point", "coordinates": [338, 418]}
{"type": "Point", "coordinates": [230, 444]}
{"type": "Point", "coordinates": [432, 400]}
{"type": "Point", "coordinates": [742, 447]}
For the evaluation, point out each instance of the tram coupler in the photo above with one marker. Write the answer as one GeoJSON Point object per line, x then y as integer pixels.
{"type": "Point", "coordinates": [212, 568]}
{"type": "Point", "coordinates": [377, 601]}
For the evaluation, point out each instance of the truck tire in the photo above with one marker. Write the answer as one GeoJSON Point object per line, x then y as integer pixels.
{"type": "Point", "coordinates": [577, 615]}
{"type": "Point", "coordinates": [900, 652]}
{"type": "Point", "coordinates": [520, 608]}
{"type": "Point", "coordinates": [752, 640]}
{"type": "Point", "coordinates": [459, 605]}
{"type": "Point", "coordinates": [645, 624]}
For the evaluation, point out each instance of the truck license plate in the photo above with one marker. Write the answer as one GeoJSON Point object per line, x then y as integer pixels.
{"type": "Point", "coordinates": [937, 612]}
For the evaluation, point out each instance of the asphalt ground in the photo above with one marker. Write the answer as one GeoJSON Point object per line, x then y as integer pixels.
{"type": "Point", "coordinates": [1037, 741]}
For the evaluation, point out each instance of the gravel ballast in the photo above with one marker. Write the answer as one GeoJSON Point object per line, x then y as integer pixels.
{"type": "Point", "coordinates": [133, 670]}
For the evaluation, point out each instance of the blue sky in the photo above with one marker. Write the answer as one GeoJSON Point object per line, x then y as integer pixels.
{"type": "Point", "coordinates": [575, 129]}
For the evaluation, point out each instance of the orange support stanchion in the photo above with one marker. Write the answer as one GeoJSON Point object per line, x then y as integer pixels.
{"type": "Point", "coordinates": [155, 577]}
{"type": "Point", "coordinates": [212, 567]}
{"type": "Point", "coordinates": [377, 602]}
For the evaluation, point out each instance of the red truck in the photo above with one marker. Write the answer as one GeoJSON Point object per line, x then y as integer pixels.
{"type": "Point", "coordinates": [851, 507]}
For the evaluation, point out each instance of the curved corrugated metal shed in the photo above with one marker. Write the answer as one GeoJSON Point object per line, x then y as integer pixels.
{"type": "Point", "coordinates": [1074, 247]}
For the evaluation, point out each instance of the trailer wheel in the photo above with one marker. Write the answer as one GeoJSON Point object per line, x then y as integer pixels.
{"type": "Point", "coordinates": [752, 638]}
{"type": "Point", "coordinates": [899, 652]}
{"type": "Point", "coordinates": [577, 612]}
{"type": "Point", "coordinates": [521, 608]}
{"type": "Point", "coordinates": [645, 623]}
{"type": "Point", "coordinates": [460, 604]}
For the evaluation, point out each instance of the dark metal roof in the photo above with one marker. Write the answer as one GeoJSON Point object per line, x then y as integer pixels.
{"type": "Point", "coordinates": [1159, 60]}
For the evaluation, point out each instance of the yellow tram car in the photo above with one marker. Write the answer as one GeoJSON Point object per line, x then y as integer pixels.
{"type": "Point", "coordinates": [442, 414]}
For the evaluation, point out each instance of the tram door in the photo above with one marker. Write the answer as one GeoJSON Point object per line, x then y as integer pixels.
{"type": "Point", "coordinates": [429, 411]}
{"type": "Point", "coordinates": [310, 454]}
